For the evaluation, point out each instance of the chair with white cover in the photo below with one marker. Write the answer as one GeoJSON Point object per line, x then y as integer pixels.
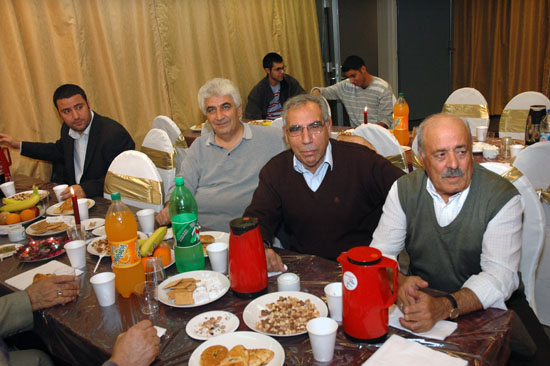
{"type": "Point", "coordinates": [137, 179]}
{"type": "Point", "coordinates": [470, 105]}
{"type": "Point", "coordinates": [514, 116]}
{"type": "Point", "coordinates": [277, 123]}
{"type": "Point", "coordinates": [533, 163]}
{"type": "Point", "coordinates": [176, 137]}
{"type": "Point", "coordinates": [158, 147]}
{"type": "Point", "coordinates": [384, 142]}
{"type": "Point", "coordinates": [533, 228]}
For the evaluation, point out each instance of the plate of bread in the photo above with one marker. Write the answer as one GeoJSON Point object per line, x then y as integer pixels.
{"type": "Point", "coordinates": [191, 289]}
{"type": "Point", "coordinates": [239, 348]}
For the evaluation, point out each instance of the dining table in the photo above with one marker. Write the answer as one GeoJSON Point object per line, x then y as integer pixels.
{"type": "Point", "coordinates": [81, 332]}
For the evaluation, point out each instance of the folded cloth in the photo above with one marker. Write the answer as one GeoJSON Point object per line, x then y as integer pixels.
{"type": "Point", "coordinates": [441, 330]}
{"type": "Point", "coordinates": [400, 351]}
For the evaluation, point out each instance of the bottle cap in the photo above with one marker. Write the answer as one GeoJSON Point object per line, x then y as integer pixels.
{"type": "Point", "coordinates": [179, 181]}
{"type": "Point", "coordinates": [401, 95]}
{"type": "Point", "coordinates": [115, 196]}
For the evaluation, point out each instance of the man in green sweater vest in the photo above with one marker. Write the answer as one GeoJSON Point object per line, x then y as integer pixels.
{"type": "Point", "coordinates": [461, 226]}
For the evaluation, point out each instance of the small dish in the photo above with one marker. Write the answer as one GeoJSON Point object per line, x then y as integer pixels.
{"type": "Point", "coordinates": [91, 224]}
{"type": "Point", "coordinates": [211, 324]}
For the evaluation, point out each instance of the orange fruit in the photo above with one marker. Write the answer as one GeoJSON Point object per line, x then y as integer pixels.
{"type": "Point", "coordinates": [13, 218]}
{"type": "Point", "coordinates": [27, 214]}
{"type": "Point", "coordinates": [165, 255]}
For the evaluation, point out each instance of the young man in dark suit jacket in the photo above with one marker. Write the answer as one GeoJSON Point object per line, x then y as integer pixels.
{"type": "Point", "coordinates": [88, 144]}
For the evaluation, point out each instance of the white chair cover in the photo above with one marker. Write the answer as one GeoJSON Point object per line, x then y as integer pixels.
{"type": "Point", "coordinates": [533, 231]}
{"type": "Point", "coordinates": [514, 115]}
{"type": "Point", "coordinates": [277, 123]}
{"type": "Point", "coordinates": [383, 141]}
{"type": "Point", "coordinates": [470, 105]}
{"type": "Point", "coordinates": [159, 149]}
{"type": "Point", "coordinates": [134, 175]}
{"type": "Point", "coordinates": [167, 125]}
{"type": "Point", "coordinates": [533, 163]}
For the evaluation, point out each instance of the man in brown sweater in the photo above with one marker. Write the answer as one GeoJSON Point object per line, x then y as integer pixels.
{"type": "Point", "coordinates": [326, 194]}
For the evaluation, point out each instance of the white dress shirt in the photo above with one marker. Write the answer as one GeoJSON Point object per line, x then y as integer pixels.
{"type": "Point", "coordinates": [314, 180]}
{"type": "Point", "coordinates": [80, 146]}
{"type": "Point", "coordinates": [500, 248]}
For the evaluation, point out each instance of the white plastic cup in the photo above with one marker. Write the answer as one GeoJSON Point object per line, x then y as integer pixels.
{"type": "Point", "coordinates": [104, 288]}
{"type": "Point", "coordinates": [8, 188]}
{"type": "Point", "coordinates": [515, 150]}
{"type": "Point", "coordinates": [83, 209]}
{"type": "Point", "coordinates": [217, 254]}
{"type": "Point", "coordinates": [58, 190]}
{"type": "Point", "coordinates": [146, 220]}
{"type": "Point", "coordinates": [17, 233]}
{"type": "Point", "coordinates": [322, 336]}
{"type": "Point", "coordinates": [333, 292]}
{"type": "Point", "coordinates": [481, 132]}
{"type": "Point", "coordinates": [76, 251]}
{"type": "Point", "coordinates": [288, 282]}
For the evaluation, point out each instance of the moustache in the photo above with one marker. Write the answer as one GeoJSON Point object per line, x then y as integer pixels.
{"type": "Point", "coordinates": [452, 173]}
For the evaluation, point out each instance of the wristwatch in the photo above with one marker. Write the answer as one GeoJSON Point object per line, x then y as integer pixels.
{"type": "Point", "coordinates": [453, 314]}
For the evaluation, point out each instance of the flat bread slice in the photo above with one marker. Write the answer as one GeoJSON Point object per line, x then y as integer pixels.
{"type": "Point", "coordinates": [183, 298]}
{"type": "Point", "coordinates": [213, 355]}
{"type": "Point", "coordinates": [237, 356]}
{"type": "Point", "coordinates": [259, 357]}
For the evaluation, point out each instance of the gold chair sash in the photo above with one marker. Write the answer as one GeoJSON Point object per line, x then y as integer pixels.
{"type": "Point", "coordinates": [467, 110]}
{"type": "Point", "coordinates": [513, 120]}
{"type": "Point", "coordinates": [161, 159]}
{"type": "Point", "coordinates": [137, 189]}
{"type": "Point", "coordinates": [544, 196]}
{"type": "Point", "coordinates": [416, 160]}
{"type": "Point", "coordinates": [512, 174]}
{"type": "Point", "coordinates": [180, 142]}
{"type": "Point", "coordinates": [398, 160]}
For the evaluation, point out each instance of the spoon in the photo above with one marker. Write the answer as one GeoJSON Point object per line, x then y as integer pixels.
{"type": "Point", "coordinates": [99, 261]}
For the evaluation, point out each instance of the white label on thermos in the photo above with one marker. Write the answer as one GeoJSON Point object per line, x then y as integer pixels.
{"type": "Point", "coordinates": [350, 281]}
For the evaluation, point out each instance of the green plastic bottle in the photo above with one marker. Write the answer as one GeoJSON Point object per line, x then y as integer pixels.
{"type": "Point", "coordinates": [183, 212]}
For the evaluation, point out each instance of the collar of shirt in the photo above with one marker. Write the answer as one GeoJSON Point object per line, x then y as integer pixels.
{"type": "Point", "coordinates": [247, 135]}
{"type": "Point", "coordinates": [314, 180]}
{"type": "Point", "coordinates": [446, 212]}
{"type": "Point", "coordinates": [75, 135]}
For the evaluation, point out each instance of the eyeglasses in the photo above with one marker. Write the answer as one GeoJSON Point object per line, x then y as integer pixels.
{"type": "Point", "coordinates": [313, 128]}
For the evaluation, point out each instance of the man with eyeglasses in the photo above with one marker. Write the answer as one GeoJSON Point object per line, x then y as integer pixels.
{"type": "Point", "coordinates": [327, 195]}
{"type": "Point", "coordinates": [266, 99]}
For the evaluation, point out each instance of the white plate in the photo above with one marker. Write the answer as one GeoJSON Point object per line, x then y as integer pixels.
{"type": "Point", "coordinates": [40, 214]}
{"type": "Point", "coordinates": [9, 254]}
{"type": "Point", "coordinates": [478, 147]}
{"type": "Point", "coordinates": [41, 192]}
{"type": "Point", "coordinates": [248, 339]}
{"type": "Point", "coordinates": [51, 210]}
{"type": "Point", "coordinates": [219, 236]}
{"type": "Point", "coordinates": [197, 128]}
{"type": "Point", "coordinates": [91, 249]}
{"type": "Point", "coordinates": [252, 312]}
{"type": "Point", "coordinates": [69, 220]}
{"type": "Point", "coordinates": [93, 223]}
{"type": "Point", "coordinates": [229, 321]}
{"type": "Point", "coordinates": [219, 282]}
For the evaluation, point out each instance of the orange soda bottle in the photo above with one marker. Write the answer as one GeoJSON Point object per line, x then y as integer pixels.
{"type": "Point", "coordinates": [121, 229]}
{"type": "Point", "coordinates": [401, 120]}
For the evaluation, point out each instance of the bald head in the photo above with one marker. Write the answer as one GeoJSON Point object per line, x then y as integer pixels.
{"type": "Point", "coordinates": [436, 119]}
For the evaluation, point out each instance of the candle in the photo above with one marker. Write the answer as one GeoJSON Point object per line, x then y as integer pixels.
{"type": "Point", "coordinates": [365, 115]}
{"type": "Point", "coordinates": [75, 208]}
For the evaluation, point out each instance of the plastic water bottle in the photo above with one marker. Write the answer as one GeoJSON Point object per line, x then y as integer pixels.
{"type": "Point", "coordinates": [183, 212]}
{"type": "Point", "coordinates": [401, 120]}
{"type": "Point", "coordinates": [121, 229]}
{"type": "Point", "coordinates": [545, 128]}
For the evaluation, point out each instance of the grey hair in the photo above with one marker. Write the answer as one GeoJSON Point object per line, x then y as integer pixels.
{"type": "Point", "coordinates": [302, 99]}
{"type": "Point", "coordinates": [218, 87]}
{"type": "Point", "coordinates": [422, 127]}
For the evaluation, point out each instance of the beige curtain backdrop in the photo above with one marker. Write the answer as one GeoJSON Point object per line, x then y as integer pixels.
{"type": "Point", "coordinates": [502, 48]}
{"type": "Point", "coordinates": [137, 59]}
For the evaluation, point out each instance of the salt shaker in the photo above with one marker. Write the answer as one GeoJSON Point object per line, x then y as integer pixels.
{"type": "Point", "coordinates": [288, 282]}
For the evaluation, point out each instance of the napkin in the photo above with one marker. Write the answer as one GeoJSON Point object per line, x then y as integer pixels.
{"type": "Point", "coordinates": [24, 280]}
{"type": "Point", "coordinates": [271, 274]}
{"type": "Point", "coordinates": [400, 351]}
{"type": "Point", "coordinates": [441, 330]}
{"type": "Point", "coordinates": [160, 331]}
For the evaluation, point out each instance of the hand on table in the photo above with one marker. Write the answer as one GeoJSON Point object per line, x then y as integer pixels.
{"type": "Point", "coordinates": [79, 192]}
{"type": "Point", "coordinates": [163, 217]}
{"type": "Point", "coordinates": [137, 346]}
{"type": "Point", "coordinates": [52, 291]}
{"type": "Point", "coordinates": [10, 141]}
{"type": "Point", "coordinates": [274, 261]}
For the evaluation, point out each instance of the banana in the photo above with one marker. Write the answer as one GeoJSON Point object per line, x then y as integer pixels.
{"type": "Point", "coordinates": [140, 242]}
{"type": "Point", "coordinates": [23, 205]}
{"type": "Point", "coordinates": [150, 244]}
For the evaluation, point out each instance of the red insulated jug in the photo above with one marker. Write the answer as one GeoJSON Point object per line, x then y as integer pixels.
{"type": "Point", "coordinates": [366, 293]}
{"type": "Point", "coordinates": [247, 264]}
{"type": "Point", "coordinates": [5, 162]}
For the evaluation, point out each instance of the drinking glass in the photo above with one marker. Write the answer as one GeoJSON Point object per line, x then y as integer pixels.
{"type": "Point", "coordinates": [154, 271]}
